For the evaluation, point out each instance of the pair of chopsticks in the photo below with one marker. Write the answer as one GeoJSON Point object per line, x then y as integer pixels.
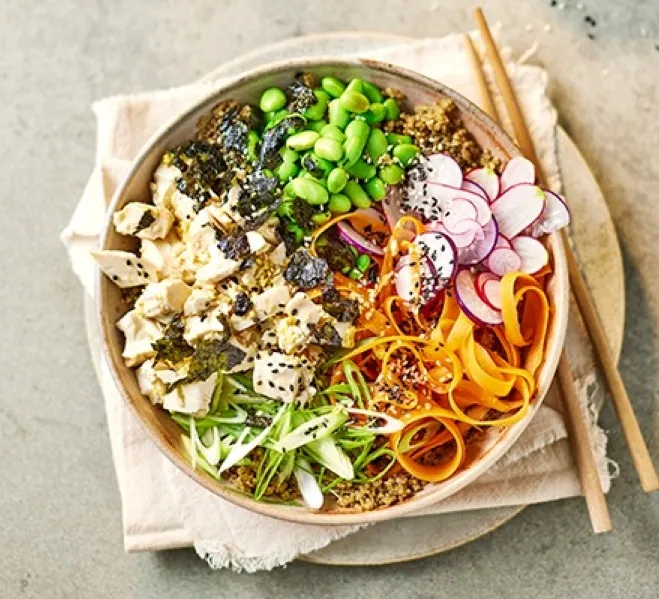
{"type": "Point", "coordinates": [579, 433]}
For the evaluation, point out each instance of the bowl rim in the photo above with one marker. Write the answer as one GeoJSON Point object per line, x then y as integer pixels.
{"type": "Point", "coordinates": [303, 515]}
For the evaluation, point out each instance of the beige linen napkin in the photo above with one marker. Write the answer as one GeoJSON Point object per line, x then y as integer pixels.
{"type": "Point", "coordinates": [162, 507]}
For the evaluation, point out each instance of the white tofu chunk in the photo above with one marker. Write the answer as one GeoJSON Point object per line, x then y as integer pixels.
{"type": "Point", "coordinates": [271, 302]}
{"type": "Point", "coordinates": [296, 330]}
{"type": "Point", "coordinates": [242, 323]}
{"type": "Point", "coordinates": [125, 269]}
{"type": "Point", "coordinates": [163, 299]}
{"type": "Point", "coordinates": [230, 205]}
{"type": "Point", "coordinates": [140, 334]}
{"type": "Point", "coordinates": [199, 300]}
{"type": "Point", "coordinates": [153, 381]}
{"type": "Point", "coordinates": [143, 220]}
{"type": "Point", "coordinates": [206, 325]}
{"type": "Point", "coordinates": [183, 207]}
{"type": "Point", "coordinates": [257, 243]}
{"type": "Point", "coordinates": [218, 268]}
{"type": "Point", "coordinates": [269, 230]}
{"type": "Point", "coordinates": [192, 398]}
{"type": "Point", "coordinates": [164, 184]}
{"type": "Point", "coordinates": [281, 377]}
{"type": "Point", "coordinates": [278, 255]}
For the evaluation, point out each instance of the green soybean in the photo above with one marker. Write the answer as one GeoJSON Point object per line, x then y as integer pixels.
{"type": "Point", "coordinates": [336, 180]}
{"type": "Point", "coordinates": [355, 274]}
{"type": "Point", "coordinates": [329, 149]}
{"type": "Point", "coordinates": [357, 195]}
{"type": "Point", "coordinates": [252, 142]}
{"type": "Point", "coordinates": [376, 145]}
{"type": "Point", "coordinates": [316, 125]}
{"type": "Point", "coordinates": [361, 170]}
{"type": "Point", "coordinates": [338, 115]}
{"type": "Point", "coordinates": [333, 86]}
{"type": "Point", "coordinates": [393, 110]}
{"type": "Point", "coordinates": [339, 204]}
{"type": "Point", "coordinates": [372, 92]}
{"type": "Point", "coordinates": [376, 189]}
{"type": "Point", "coordinates": [358, 128]}
{"type": "Point", "coordinates": [405, 153]}
{"type": "Point", "coordinates": [287, 170]}
{"type": "Point", "coordinates": [272, 99]}
{"type": "Point", "coordinates": [302, 141]}
{"type": "Point", "coordinates": [332, 132]}
{"type": "Point", "coordinates": [317, 111]}
{"type": "Point", "coordinates": [354, 102]}
{"type": "Point", "coordinates": [295, 229]}
{"type": "Point", "coordinates": [288, 189]}
{"type": "Point", "coordinates": [356, 85]}
{"type": "Point", "coordinates": [391, 174]}
{"type": "Point", "coordinates": [376, 113]}
{"type": "Point", "coordinates": [395, 138]}
{"type": "Point", "coordinates": [320, 218]}
{"type": "Point", "coordinates": [310, 190]}
{"type": "Point", "coordinates": [363, 262]}
{"type": "Point", "coordinates": [276, 117]}
{"type": "Point", "coordinates": [353, 149]}
{"type": "Point", "coordinates": [288, 155]}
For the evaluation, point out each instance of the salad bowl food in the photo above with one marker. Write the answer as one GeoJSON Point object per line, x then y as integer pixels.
{"type": "Point", "coordinates": [332, 292]}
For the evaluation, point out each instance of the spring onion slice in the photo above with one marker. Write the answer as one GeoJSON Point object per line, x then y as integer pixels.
{"type": "Point", "coordinates": [393, 425]}
{"type": "Point", "coordinates": [315, 428]}
{"type": "Point", "coordinates": [327, 453]}
{"type": "Point", "coordinates": [308, 485]}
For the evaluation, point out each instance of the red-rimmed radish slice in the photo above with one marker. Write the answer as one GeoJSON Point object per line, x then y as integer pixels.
{"type": "Point", "coordinates": [488, 181]}
{"type": "Point", "coordinates": [503, 261]}
{"type": "Point", "coordinates": [443, 196]}
{"type": "Point", "coordinates": [481, 247]}
{"type": "Point", "coordinates": [555, 216]}
{"type": "Point", "coordinates": [471, 303]}
{"type": "Point", "coordinates": [503, 242]}
{"type": "Point", "coordinates": [441, 251]}
{"type": "Point", "coordinates": [441, 168]}
{"type": "Point", "coordinates": [468, 185]}
{"type": "Point", "coordinates": [481, 279]}
{"type": "Point", "coordinates": [518, 170]}
{"type": "Point", "coordinates": [532, 253]}
{"type": "Point", "coordinates": [351, 237]}
{"type": "Point", "coordinates": [463, 235]}
{"type": "Point", "coordinates": [518, 208]}
{"type": "Point", "coordinates": [417, 283]}
{"type": "Point", "coordinates": [460, 209]}
{"type": "Point", "coordinates": [492, 293]}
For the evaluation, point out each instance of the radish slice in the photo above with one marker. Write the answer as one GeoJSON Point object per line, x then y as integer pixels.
{"type": "Point", "coordinates": [441, 168]}
{"type": "Point", "coordinates": [463, 235]}
{"type": "Point", "coordinates": [414, 287]}
{"type": "Point", "coordinates": [468, 185]}
{"type": "Point", "coordinates": [481, 247]}
{"type": "Point", "coordinates": [460, 210]}
{"type": "Point", "coordinates": [443, 196]}
{"type": "Point", "coordinates": [487, 179]}
{"type": "Point", "coordinates": [441, 252]}
{"type": "Point", "coordinates": [518, 170]}
{"type": "Point", "coordinates": [503, 242]}
{"type": "Point", "coordinates": [351, 237]}
{"type": "Point", "coordinates": [555, 216]}
{"type": "Point", "coordinates": [470, 302]}
{"type": "Point", "coordinates": [492, 292]}
{"type": "Point", "coordinates": [518, 208]}
{"type": "Point", "coordinates": [391, 204]}
{"type": "Point", "coordinates": [483, 278]}
{"type": "Point", "coordinates": [531, 252]}
{"type": "Point", "coordinates": [503, 261]}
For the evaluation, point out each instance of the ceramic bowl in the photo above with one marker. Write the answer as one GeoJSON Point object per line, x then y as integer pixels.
{"type": "Point", "coordinates": [164, 432]}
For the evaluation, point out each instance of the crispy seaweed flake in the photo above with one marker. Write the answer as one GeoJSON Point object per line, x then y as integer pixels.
{"type": "Point", "coordinates": [343, 309]}
{"type": "Point", "coordinates": [274, 139]}
{"type": "Point", "coordinates": [172, 348]}
{"type": "Point", "coordinates": [307, 272]}
{"type": "Point", "coordinates": [339, 256]}
{"type": "Point", "coordinates": [300, 95]}
{"type": "Point", "coordinates": [327, 336]}
{"type": "Point", "coordinates": [234, 246]}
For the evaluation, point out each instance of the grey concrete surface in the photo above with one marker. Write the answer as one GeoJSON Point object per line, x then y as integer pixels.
{"type": "Point", "coordinates": [60, 529]}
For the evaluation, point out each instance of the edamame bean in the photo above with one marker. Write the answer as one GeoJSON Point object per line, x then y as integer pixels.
{"type": "Point", "coordinates": [395, 138]}
{"type": "Point", "coordinates": [295, 229]}
{"type": "Point", "coordinates": [302, 141]}
{"type": "Point", "coordinates": [287, 170]}
{"type": "Point", "coordinates": [363, 262]}
{"type": "Point", "coordinates": [353, 101]}
{"type": "Point", "coordinates": [316, 125]}
{"type": "Point", "coordinates": [358, 128]}
{"type": "Point", "coordinates": [252, 141]}
{"type": "Point", "coordinates": [376, 189]}
{"type": "Point", "coordinates": [338, 115]}
{"type": "Point", "coordinates": [361, 170]}
{"type": "Point", "coordinates": [333, 86]}
{"type": "Point", "coordinates": [333, 132]}
{"type": "Point", "coordinates": [356, 85]}
{"type": "Point", "coordinates": [376, 113]}
{"type": "Point", "coordinates": [372, 92]}
{"type": "Point", "coordinates": [272, 99]}
{"type": "Point", "coordinates": [376, 145]}
{"type": "Point", "coordinates": [320, 218]}
{"type": "Point", "coordinates": [355, 274]}
{"type": "Point", "coordinates": [288, 155]}
{"type": "Point", "coordinates": [329, 149]}
{"type": "Point", "coordinates": [336, 180]}
{"type": "Point", "coordinates": [392, 108]}
{"type": "Point", "coordinates": [391, 174]}
{"type": "Point", "coordinates": [276, 117]}
{"type": "Point", "coordinates": [310, 190]}
{"type": "Point", "coordinates": [317, 166]}
{"type": "Point", "coordinates": [339, 204]}
{"type": "Point", "coordinates": [353, 148]}
{"type": "Point", "coordinates": [317, 111]}
{"type": "Point", "coordinates": [405, 153]}
{"type": "Point", "coordinates": [288, 190]}
{"type": "Point", "coordinates": [357, 195]}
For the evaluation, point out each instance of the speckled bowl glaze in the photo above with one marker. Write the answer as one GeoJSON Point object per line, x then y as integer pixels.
{"type": "Point", "coordinates": [164, 432]}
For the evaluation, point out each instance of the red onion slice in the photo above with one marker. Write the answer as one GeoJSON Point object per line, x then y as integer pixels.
{"type": "Point", "coordinates": [471, 303]}
{"type": "Point", "coordinates": [351, 237]}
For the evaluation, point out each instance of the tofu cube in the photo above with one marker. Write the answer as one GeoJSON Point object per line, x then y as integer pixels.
{"type": "Point", "coordinates": [143, 220]}
{"type": "Point", "coordinates": [140, 334]}
{"type": "Point", "coordinates": [125, 269]}
{"type": "Point", "coordinates": [281, 377]}
{"type": "Point", "coordinates": [192, 398]}
{"type": "Point", "coordinates": [161, 300]}
{"type": "Point", "coordinates": [271, 302]}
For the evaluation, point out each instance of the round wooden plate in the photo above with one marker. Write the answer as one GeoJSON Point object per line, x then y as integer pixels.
{"type": "Point", "coordinates": [599, 253]}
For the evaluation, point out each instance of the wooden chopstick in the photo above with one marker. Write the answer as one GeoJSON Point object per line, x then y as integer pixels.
{"type": "Point", "coordinates": [579, 434]}
{"type": "Point", "coordinates": [487, 101]}
{"type": "Point", "coordinates": [635, 442]}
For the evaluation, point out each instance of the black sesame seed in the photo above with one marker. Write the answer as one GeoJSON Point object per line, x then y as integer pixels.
{"type": "Point", "coordinates": [140, 265]}
{"type": "Point", "coordinates": [271, 384]}
{"type": "Point", "coordinates": [115, 278]}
